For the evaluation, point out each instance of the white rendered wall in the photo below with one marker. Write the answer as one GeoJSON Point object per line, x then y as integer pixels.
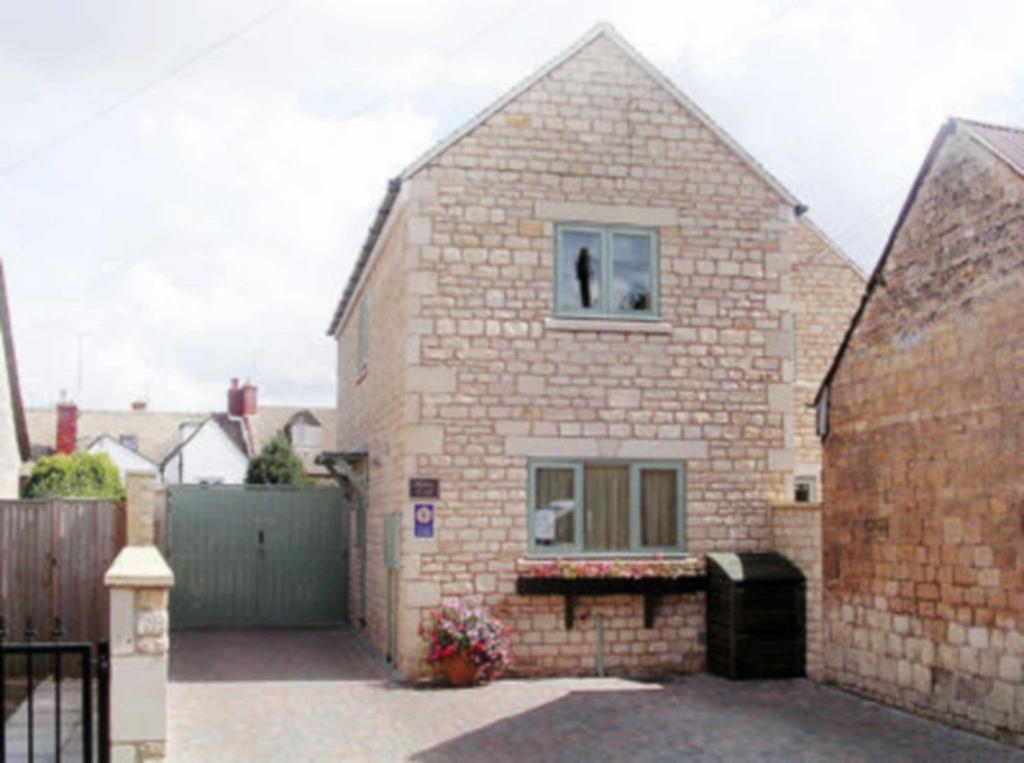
{"type": "Point", "coordinates": [208, 457]}
{"type": "Point", "coordinates": [125, 459]}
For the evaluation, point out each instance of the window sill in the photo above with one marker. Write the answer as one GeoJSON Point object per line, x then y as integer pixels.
{"type": "Point", "coordinates": [608, 325]}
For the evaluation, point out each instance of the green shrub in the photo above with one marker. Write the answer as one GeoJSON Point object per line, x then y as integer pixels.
{"type": "Point", "coordinates": [277, 464]}
{"type": "Point", "coordinates": [75, 475]}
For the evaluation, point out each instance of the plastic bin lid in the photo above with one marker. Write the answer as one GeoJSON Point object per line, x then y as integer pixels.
{"type": "Point", "coordinates": [757, 567]}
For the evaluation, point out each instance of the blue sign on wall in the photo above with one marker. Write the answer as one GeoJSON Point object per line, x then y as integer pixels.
{"type": "Point", "coordinates": [423, 520]}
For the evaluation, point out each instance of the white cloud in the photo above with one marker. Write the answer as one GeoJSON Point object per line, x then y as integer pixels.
{"type": "Point", "coordinates": [205, 229]}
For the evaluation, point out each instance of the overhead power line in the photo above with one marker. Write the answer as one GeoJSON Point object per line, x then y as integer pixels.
{"type": "Point", "coordinates": [102, 113]}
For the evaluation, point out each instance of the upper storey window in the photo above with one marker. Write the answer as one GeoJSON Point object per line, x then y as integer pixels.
{"type": "Point", "coordinates": [364, 335]}
{"type": "Point", "coordinates": [606, 271]}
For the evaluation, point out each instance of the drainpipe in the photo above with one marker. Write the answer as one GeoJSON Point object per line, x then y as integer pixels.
{"type": "Point", "coordinates": [599, 625]}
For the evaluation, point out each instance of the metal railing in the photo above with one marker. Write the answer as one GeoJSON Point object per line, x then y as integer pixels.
{"type": "Point", "coordinates": [46, 659]}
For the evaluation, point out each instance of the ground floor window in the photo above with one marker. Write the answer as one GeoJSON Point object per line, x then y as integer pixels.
{"type": "Point", "coordinates": [606, 506]}
{"type": "Point", "coordinates": [805, 489]}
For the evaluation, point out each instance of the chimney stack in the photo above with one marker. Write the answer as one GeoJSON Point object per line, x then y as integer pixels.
{"type": "Point", "coordinates": [67, 427]}
{"type": "Point", "coordinates": [138, 405]}
{"type": "Point", "coordinates": [249, 399]}
{"type": "Point", "coordinates": [235, 399]}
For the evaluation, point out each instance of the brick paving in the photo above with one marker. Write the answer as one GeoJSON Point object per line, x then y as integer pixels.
{"type": "Point", "coordinates": [305, 695]}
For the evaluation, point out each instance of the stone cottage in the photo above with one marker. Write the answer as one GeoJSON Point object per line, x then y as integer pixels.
{"type": "Point", "coordinates": [922, 414]}
{"type": "Point", "coordinates": [594, 324]}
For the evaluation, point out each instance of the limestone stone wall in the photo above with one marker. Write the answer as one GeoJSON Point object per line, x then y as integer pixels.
{"type": "Point", "coordinates": [596, 141]}
{"type": "Point", "coordinates": [922, 527]}
{"type": "Point", "coordinates": [371, 416]}
{"type": "Point", "coordinates": [796, 534]}
{"type": "Point", "coordinates": [825, 291]}
{"type": "Point", "coordinates": [490, 377]}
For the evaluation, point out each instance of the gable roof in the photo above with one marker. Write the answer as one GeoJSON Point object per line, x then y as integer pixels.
{"type": "Point", "coordinates": [602, 30]}
{"type": "Point", "coordinates": [13, 385]}
{"type": "Point", "coordinates": [231, 427]}
{"type": "Point", "coordinates": [156, 432]}
{"type": "Point", "coordinates": [120, 445]}
{"type": "Point", "coordinates": [1007, 143]}
{"type": "Point", "coordinates": [235, 430]}
{"type": "Point", "coordinates": [305, 416]}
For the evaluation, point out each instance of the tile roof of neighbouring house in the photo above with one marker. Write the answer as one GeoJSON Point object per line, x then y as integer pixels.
{"type": "Point", "coordinates": [1005, 142]}
{"type": "Point", "coordinates": [13, 386]}
{"type": "Point", "coordinates": [158, 433]}
{"type": "Point", "coordinates": [600, 30]}
{"type": "Point", "coordinates": [235, 430]}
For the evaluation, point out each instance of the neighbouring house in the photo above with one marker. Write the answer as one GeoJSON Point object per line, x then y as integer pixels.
{"type": "Point", "coordinates": [185, 446]}
{"type": "Point", "coordinates": [123, 451]}
{"type": "Point", "coordinates": [922, 417]}
{"type": "Point", "coordinates": [14, 440]}
{"type": "Point", "coordinates": [593, 324]}
{"type": "Point", "coordinates": [213, 451]}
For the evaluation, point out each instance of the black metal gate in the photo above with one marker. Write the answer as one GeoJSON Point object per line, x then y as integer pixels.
{"type": "Point", "coordinates": [38, 734]}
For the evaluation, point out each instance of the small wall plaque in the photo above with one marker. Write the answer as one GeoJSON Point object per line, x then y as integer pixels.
{"type": "Point", "coordinates": [424, 487]}
{"type": "Point", "coordinates": [423, 520]}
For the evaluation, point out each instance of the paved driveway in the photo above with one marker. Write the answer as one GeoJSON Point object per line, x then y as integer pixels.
{"type": "Point", "coordinates": [321, 695]}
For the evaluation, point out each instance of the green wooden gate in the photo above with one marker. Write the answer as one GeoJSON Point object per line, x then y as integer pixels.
{"type": "Point", "coordinates": [254, 555]}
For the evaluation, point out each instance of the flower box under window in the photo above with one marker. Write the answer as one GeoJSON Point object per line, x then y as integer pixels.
{"type": "Point", "coordinates": [574, 578]}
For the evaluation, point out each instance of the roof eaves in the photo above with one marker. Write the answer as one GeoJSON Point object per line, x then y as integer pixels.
{"type": "Point", "coordinates": [656, 74]}
{"type": "Point", "coordinates": [369, 245]}
{"type": "Point", "coordinates": [120, 445]}
{"type": "Point", "coordinates": [510, 95]}
{"type": "Point", "coordinates": [607, 30]}
{"type": "Point", "coordinates": [14, 386]}
{"type": "Point", "coordinates": [834, 247]}
{"type": "Point", "coordinates": [178, 448]}
{"type": "Point", "coordinates": [977, 131]}
{"type": "Point", "coordinates": [876, 279]}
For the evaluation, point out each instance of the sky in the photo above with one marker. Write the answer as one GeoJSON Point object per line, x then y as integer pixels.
{"type": "Point", "coordinates": [184, 186]}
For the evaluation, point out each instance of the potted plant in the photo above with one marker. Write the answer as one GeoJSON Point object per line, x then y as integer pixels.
{"type": "Point", "coordinates": [466, 642]}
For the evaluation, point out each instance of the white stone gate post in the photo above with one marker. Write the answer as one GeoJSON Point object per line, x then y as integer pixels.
{"type": "Point", "coordinates": [139, 581]}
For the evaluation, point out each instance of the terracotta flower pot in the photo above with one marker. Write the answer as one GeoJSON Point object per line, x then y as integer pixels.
{"type": "Point", "coordinates": [459, 669]}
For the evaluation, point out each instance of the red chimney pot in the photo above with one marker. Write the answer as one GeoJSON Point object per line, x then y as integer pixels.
{"type": "Point", "coordinates": [249, 399]}
{"type": "Point", "coordinates": [67, 427]}
{"type": "Point", "coordinates": [234, 399]}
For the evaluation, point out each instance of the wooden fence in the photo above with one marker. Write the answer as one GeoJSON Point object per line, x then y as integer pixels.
{"type": "Point", "coordinates": [53, 556]}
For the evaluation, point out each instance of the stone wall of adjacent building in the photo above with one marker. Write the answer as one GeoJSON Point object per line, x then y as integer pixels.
{"type": "Point", "coordinates": [370, 418]}
{"type": "Point", "coordinates": [924, 518]}
{"type": "Point", "coordinates": [796, 534]}
{"type": "Point", "coordinates": [825, 290]}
